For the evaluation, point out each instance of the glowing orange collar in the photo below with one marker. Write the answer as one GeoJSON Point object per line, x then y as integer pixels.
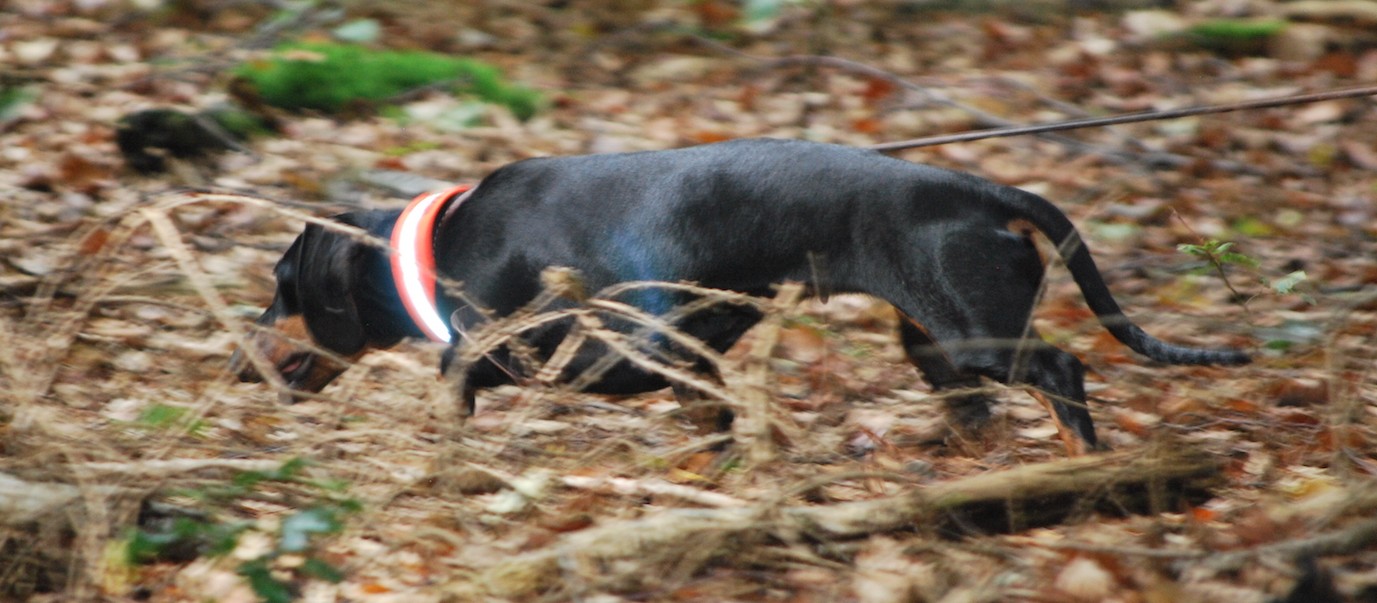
{"type": "Point", "coordinates": [413, 258]}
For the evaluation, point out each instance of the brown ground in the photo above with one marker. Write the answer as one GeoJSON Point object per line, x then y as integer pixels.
{"type": "Point", "coordinates": [113, 359]}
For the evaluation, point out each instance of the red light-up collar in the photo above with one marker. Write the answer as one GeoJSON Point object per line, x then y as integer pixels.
{"type": "Point", "coordinates": [413, 258]}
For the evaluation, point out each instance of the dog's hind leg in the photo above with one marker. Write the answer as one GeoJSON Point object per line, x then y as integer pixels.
{"type": "Point", "coordinates": [1019, 356]}
{"type": "Point", "coordinates": [1059, 381]}
{"type": "Point", "coordinates": [1058, 378]}
{"type": "Point", "coordinates": [979, 326]}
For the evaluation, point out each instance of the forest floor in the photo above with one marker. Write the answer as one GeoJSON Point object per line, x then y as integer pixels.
{"type": "Point", "coordinates": [119, 420]}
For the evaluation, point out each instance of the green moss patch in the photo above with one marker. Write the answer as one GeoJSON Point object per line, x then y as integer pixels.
{"type": "Point", "coordinates": [331, 77]}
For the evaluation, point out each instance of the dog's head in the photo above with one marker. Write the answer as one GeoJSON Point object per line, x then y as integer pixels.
{"type": "Point", "coordinates": [328, 308]}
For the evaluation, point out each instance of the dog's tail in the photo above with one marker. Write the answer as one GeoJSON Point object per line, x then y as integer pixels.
{"type": "Point", "coordinates": [1056, 226]}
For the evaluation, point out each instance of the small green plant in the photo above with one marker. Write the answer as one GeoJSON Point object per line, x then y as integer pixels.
{"type": "Point", "coordinates": [13, 100]}
{"type": "Point", "coordinates": [1238, 29]}
{"type": "Point", "coordinates": [166, 417]}
{"type": "Point", "coordinates": [332, 77]}
{"type": "Point", "coordinates": [415, 147]}
{"type": "Point", "coordinates": [1287, 284]}
{"type": "Point", "coordinates": [161, 416]}
{"type": "Point", "coordinates": [1218, 254]}
{"type": "Point", "coordinates": [203, 533]}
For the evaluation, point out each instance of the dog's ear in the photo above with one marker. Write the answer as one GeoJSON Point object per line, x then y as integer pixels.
{"type": "Point", "coordinates": [327, 272]}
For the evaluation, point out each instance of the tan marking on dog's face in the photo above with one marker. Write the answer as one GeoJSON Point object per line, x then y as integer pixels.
{"type": "Point", "coordinates": [282, 346]}
{"type": "Point", "coordinates": [292, 327]}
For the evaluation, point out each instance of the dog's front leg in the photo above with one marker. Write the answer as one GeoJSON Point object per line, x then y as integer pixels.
{"type": "Point", "coordinates": [458, 379]}
{"type": "Point", "coordinates": [468, 403]}
{"type": "Point", "coordinates": [968, 414]}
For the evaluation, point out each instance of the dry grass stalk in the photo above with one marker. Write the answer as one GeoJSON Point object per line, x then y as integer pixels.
{"type": "Point", "coordinates": [589, 324]}
{"type": "Point", "coordinates": [172, 240]}
{"type": "Point", "coordinates": [753, 425]}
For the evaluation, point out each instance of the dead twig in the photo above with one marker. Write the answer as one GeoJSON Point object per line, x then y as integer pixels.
{"type": "Point", "coordinates": [756, 427]}
{"type": "Point", "coordinates": [162, 468]}
{"type": "Point", "coordinates": [999, 127]}
{"type": "Point", "coordinates": [172, 240]}
{"type": "Point", "coordinates": [675, 538]}
{"type": "Point", "coordinates": [1098, 122]}
{"type": "Point", "coordinates": [655, 487]}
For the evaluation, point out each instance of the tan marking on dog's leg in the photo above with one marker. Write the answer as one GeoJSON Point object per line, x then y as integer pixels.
{"type": "Point", "coordinates": [1075, 446]}
{"type": "Point", "coordinates": [928, 334]}
{"type": "Point", "coordinates": [702, 411]}
{"type": "Point", "coordinates": [1022, 227]}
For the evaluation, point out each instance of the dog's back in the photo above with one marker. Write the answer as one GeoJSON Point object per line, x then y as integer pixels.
{"type": "Point", "coordinates": [705, 213]}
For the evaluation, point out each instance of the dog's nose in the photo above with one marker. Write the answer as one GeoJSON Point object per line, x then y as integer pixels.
{"type": "Point", "coordinates": [239, 365]}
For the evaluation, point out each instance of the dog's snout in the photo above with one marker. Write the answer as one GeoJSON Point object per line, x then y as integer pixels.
{"type": "Point", "coordinates": [272, 339]}
{"type": "Point", "coordinates": [290, 353]}
{"type": "Point", "coordinates": [243, 369]}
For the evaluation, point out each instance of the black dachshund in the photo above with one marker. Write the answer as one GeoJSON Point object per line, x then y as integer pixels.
{"type": "Point", "coordinates": [952, 252]}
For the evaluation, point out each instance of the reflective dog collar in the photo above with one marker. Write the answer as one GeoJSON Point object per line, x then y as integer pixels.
{"type": "Point", "coordinates": [413, 259]}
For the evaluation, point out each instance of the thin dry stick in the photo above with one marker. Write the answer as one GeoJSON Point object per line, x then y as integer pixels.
{"type": "Point", "coordinates": [172, 240]}
{"type": "Point", "coordinates": [163, 468]}
{"type": "Point", "coordinates": [20, 361]}
{"type": "Point", "coordinates": [622, 345]}
{"type": "Point", "coordinates": [652, 324]}
{"type": "Point", "coordinates": [482, 342]}
{"type": "Point", "coordinates": [608, 548]}
{"type": "Point", "coordinates": [998, 124]}
{"type": "Point", "coordinates": [755, 426]}
{"type": "Point", "coordinates": [1354, 538]}
{"type": "Point", "coordinates": [1096, 122]}
{"type": "Point", "coordinates": [564, 354]}
{"type": "Point", "coordinates": [1003, 128]}
{"type": "Point", "coordinates": [662, 325]}
{"type": "Point", "coordinates": [653, 486]}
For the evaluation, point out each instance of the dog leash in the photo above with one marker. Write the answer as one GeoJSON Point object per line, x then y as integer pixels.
{"type": "Point", "coordinates": [413, 257]}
